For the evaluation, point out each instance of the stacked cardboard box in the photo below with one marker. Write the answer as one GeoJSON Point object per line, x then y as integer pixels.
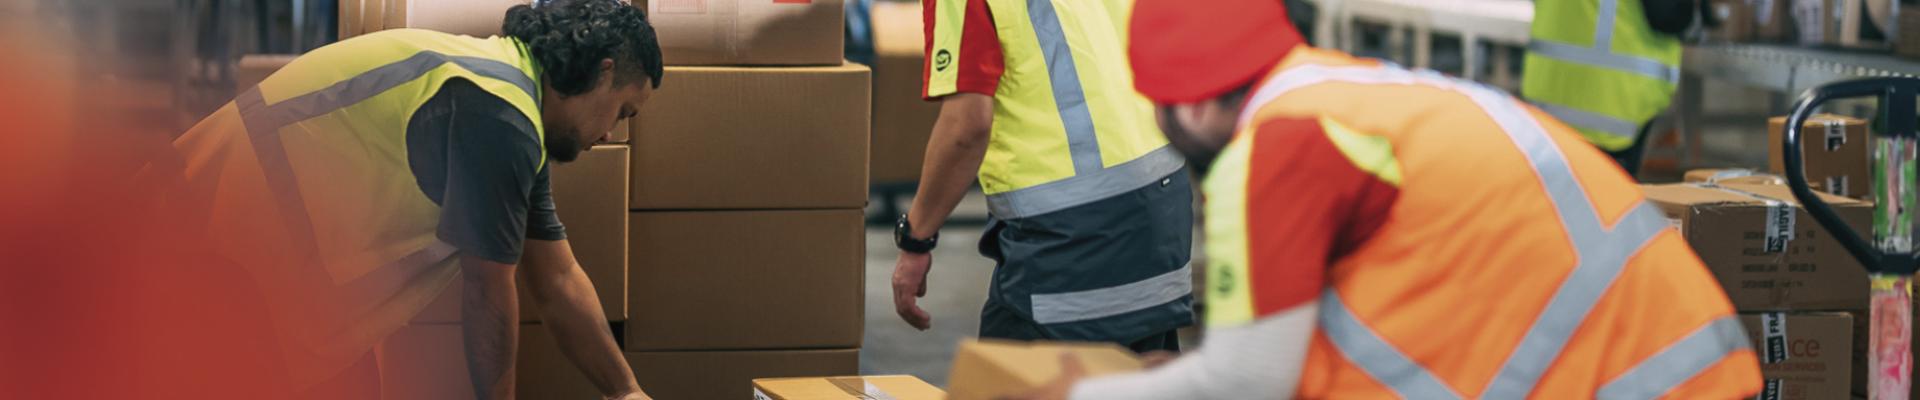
{"type": "Point", "coordinates": [896, 387]}
{"type": "Point", "coordinates": [1797, 289]}
{"type": "Point", "coordinates": [901, 121]}
{"type": "Point", "coordinates": [749, 174]}
{"type": "Point", "coordinates": [1834, 149]}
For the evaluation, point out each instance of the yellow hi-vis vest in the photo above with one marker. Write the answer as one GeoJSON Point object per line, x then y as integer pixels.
{"type": "Point", "coordinates": [1598, 66]}
{"type": "Point", "coordinates": [1068, 127]}
{"type": "Point", "coordinates": [308, 186]}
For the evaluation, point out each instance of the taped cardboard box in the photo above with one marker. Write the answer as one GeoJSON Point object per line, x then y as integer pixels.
{"type": "Point", "coordinates": [590, 195]}
{"type": "Point", "coordinates": [705, 375]}
{"type": "Point", "coordinates": [902, 121]}
{"type": "Point", "coordinates": [1732, 175]}
{"type": "Point", "coordinates": [1834, 148]}
{"type": "Point", "coordinates": [719, 138]}
{"type": "Point", "coordinates": [721, 280]}
{"type": "Point", "coordinates": [895, 387]}
{"type": "Point", "coordinates": [989, 369]}
{"type": "Point", "coordinates": [754, 32]}
{"type": "Point", "coordinates": [1767, 253]}
{"type": "Point", "coordinates": [1803, 355]}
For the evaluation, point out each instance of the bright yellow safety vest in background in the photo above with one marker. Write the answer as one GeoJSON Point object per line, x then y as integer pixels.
{"type": "Point", "coordinates": [1598, 66]}
{"type": "Point", "coordinates": [309, 188]}
{"type": "Point", "coordinates": [1068, 127]}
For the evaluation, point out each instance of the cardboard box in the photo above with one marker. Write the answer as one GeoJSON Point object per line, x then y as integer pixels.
{"type": "Point", "coordinates": [590, 194]}
{"type": "Point", "coordinates": [1736, 18]}
{"type": "Point", "coordinates": [714, 138]}
{"type": "Point", "coordinates": [373, 16]}
{"type": "Point", "coordinates": [896, 387]}
{"type": "Point", "coordinates": [724, 280]}
{"type": "Point", "coordinates": [1773, 22]}
{"type": "Point", "coordinates": [1835, 150]}
{"type": "Point", "coordinates": [255, 68]}
{"type": "Point", "coordinates": [902, 121]}
{"type": "Point", "coordinates": [704, 375]}
{"type": "Point", "coordinates": [1816, 22]}
{"type": "Point", "coordinates": [1767, 252]}
{"type": "Point", "coordinates": [1907, 44]}
{"type": "Point", "coordinates": [349, 17]}
{"type": "Point", "coordinates": [1803, 355]}
{"type": "Point", "coordinates": [989, 369]}
{"type": "Point", "coordinates": [477, 18]}
{"type": "Point", "coordinates": [730, 32]}
{"type": "Point", "coordinates": [1732, 175]}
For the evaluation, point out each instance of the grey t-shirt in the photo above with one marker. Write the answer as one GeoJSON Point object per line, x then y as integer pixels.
{"type": "Point", "coordinates": [479, 158]}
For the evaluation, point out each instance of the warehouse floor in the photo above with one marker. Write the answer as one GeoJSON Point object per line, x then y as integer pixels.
{"type": "Point", "coordinates": [956, 287]}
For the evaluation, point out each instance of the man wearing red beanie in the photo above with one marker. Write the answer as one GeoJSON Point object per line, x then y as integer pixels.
{"type": "Point", "coordinates": [1375, 232]}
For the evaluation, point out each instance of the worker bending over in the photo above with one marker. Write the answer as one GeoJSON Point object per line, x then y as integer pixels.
{"type": "Point", "coordinates": [1092, 212]}
{"type": "Point", "coordinates": [367, 176]}
{"type": "Point", "coordinates": [1375, 232]}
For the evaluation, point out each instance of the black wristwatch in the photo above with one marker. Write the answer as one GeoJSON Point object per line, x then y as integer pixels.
{"type": "Point", "coordinates": [903, 238]}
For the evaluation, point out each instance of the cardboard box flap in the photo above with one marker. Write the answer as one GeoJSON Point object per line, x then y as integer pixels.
{"type": "Point", "coordinates": [898, 28]}
{"type": "Point", "coordinates": [1694, 194]}
{"type": "Point", "coordinates": [896, 387]}
{"type": "Point", "coordinates": [987, 369]}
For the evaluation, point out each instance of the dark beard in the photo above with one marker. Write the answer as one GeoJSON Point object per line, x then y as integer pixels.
{"type": "Point", "coordinates": [1199, 155]}
{"type": "Point", "coordinates": [562, 147]}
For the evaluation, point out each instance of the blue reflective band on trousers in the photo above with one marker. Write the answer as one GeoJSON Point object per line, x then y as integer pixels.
{"type": "Point", "coordinates": [1602, 252]}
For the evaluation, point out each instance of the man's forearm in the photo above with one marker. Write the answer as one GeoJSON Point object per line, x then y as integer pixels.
{"type": "Point", "coordinates": [489, 314]}
{"type": "Point", "coordinates": [954, 152]}
{"type": "Point", "coordinates": [1260, 360]}
{"type": "Point", "coordinates": [572, 312]}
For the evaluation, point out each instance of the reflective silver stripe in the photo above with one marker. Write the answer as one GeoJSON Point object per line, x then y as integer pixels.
{"type": "Point", "coordinates": [1068, 96]}
{"type": "Point", "coordinates": [374, 82]}
{"type": "Point", "coordinates": [1603, 25]}
{"type": "Point", "coordinates": [1604, 59]}
{"type": "Point", "coordinates": [1679, 362]}
{"type": "Point", "coordinates": [1054, 308]}
{"type": "Point", "coordinates": [1602, 252]}
{"type": "Point", "coordinates": [1593, 121]}
{"type": "Point", "coordinates": [263, 122]}
{"type": "Point", "coordinates": [1086, 188]}
{"type": "Point", "coordinates": [1375, 356]}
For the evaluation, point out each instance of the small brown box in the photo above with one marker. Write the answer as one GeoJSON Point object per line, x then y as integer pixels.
{"type": "Point", "coordinates": [1834, 149]}
{"type": "Point", "coordinates": [764, 32]}
{"type": "Point", "coordinates": [1766, 251]}
{"type": "Point", "coordinates": [1803, 355]}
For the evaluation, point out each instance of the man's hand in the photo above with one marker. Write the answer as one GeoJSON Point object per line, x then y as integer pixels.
{"type": "Point", "coordinates": [909, 282]}
{"type": "Point", "coordinates": [1071, 372]}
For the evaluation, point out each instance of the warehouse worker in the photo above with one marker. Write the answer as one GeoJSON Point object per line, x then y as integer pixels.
{"type": "Point", "coordinates": [1091, 213]}
{"type": "Point", "coordinates": [1375, 232]}
{"type": "Point", "coordinates": [365, 177]}
{"type": "Point", "coordinates": [1606, 67]}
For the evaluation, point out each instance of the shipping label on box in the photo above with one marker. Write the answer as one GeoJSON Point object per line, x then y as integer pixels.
{"type": "Point", "coordinates": [1803, 355]}
{"type": "Point", "coordinates": [1767, 253]}
{"type": "Point", "coordinates": [1835, 150]}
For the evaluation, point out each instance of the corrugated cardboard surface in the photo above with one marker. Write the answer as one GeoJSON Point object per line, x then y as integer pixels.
{"type": "Point", "coordinates": [896, 387]}
{"type": "Point", "coordinates": [1727, 230]}
{"type": "Point", "coordinates": [1817, 350]}
{"type": "Point", "coordinates": [901, 120]}
{"type": "Point", "coordinates": [1834, 148]}
{"type": "Point", "coordinates": [755, 32]}
{"type": "Point", "coordinates": [988, 369]}
{"type": "Point", "coordinates": [706, 375]}
{"type": "Point", "coordinates": [753, 138]}
{"type": "Point", "coordinates": [478, 18]}
{"type": "Point", "coordinates": [590, 194]}
{"type": "Point", "coordinates": [737, 280]}
{"type": "Point", "coordinates": [1736, 20]}
{"type": "Point", "coordinates": [1732, 175]}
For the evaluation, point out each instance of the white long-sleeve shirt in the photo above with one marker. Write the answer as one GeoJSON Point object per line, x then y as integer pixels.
{"type": "Point", "coordinates": [1258, 360]}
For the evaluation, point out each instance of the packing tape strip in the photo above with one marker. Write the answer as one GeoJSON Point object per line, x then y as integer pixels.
{"type": "Point", "coordinates": [1837, 185]}
{"type": "Point", "coordinates": [1729, 174]}
{"type": "Point", "coordinates": [1773, 338]}
{"type": "Point", "coordinates": [1836, 133]}
{"type": "Point", "coordinates": [1780, 218]}
{"type": "Point", "coordinates": [1770, 392]}
{"type": "Point", "coordinates": [860, 388]}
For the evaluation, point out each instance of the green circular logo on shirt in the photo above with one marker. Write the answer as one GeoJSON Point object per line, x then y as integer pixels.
{"type": "Point", "coordinates": [942, 59]}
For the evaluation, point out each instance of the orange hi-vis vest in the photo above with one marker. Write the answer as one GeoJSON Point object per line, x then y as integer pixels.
{"type": "Point", "coordinates": [1516, 262]}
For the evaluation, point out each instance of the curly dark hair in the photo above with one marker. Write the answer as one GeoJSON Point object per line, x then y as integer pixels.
{"type": "Point", "coordinates": [570, 37]}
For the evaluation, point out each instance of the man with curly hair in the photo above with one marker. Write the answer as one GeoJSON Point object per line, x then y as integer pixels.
{"type": "Point", "coordinates": [364, 178]}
